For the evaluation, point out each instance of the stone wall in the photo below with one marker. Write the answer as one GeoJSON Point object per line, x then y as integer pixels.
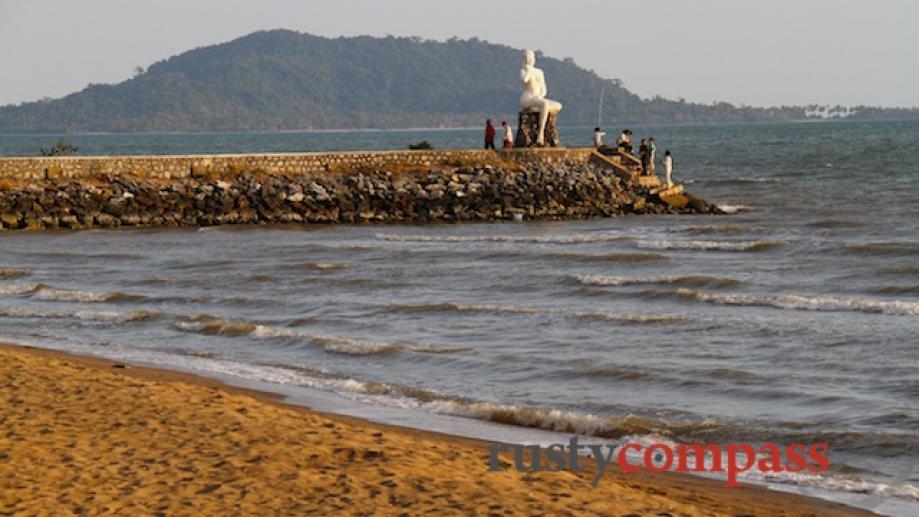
{"type": "Point", "coordinates": [167, 167]}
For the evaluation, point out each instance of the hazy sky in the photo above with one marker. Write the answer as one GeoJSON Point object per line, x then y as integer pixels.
{"type": "Point", "coordinates": [757, 52]}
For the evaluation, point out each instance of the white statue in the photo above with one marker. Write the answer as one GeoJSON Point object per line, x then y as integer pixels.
{"type": "Point", "coordinates": [534, 93]}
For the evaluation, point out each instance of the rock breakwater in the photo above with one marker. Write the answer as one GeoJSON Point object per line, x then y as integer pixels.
{"type": "Point", "coordinates": [532, 190]}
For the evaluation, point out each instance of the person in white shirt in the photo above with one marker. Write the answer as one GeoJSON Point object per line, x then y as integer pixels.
{"type": "Point", "coordinates": [598, 137]}
{"type": "Point", "coordinates": [625, 141]}
{"type": "Point", "coordinates": [508, 135]}
{"type": "Point", "coordinates": [668, 168]}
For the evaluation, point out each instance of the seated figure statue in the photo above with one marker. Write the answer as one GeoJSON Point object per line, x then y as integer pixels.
{"type": "Point", "coordinates": [534, 93]}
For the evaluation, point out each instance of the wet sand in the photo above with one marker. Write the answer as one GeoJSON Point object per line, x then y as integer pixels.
{"type": "Point", "coordinates": [84, 435]}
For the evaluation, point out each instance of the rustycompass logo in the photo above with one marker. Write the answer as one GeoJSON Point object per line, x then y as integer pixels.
{"type": "Point", "coordinates": [731, 459]}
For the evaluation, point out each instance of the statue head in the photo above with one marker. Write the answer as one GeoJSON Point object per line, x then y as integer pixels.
{"type": "Point", "coordinates": [529, 57]}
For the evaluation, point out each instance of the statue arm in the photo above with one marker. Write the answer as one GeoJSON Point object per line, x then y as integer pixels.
{"type": "Point", "coordinates": [525, 74]}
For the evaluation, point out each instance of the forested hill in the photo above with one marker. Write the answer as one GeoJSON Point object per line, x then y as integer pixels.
{"type": "Point", "coordinates": [283, 80]}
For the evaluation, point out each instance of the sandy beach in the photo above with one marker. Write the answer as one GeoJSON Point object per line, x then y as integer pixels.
{"type": "Point", "coordinates": [89, 436]}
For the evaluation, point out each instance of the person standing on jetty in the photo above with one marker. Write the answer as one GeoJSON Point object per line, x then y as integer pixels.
{"type": "Point", "coordinates": [668, 168]}
{"type": "Point", "coordinates": [598, 137]}
{"type": "Point", "coordinates": [489, 135]}
{"type": "Point", "coordinates": [508, 135]}
{"type": "Point", "coordinates": [644, 153]}
{"type": "Point", "coordinates": [625, 141]}
{"type": "Point", "coordinates": [652, 154]}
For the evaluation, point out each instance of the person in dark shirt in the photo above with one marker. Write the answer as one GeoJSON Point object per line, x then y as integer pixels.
{"type": "Point", "coordinates": [489, 135]}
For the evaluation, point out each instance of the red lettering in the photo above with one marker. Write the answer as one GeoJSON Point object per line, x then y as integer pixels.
{"type": "Point", "coordinates": [698, 452]}
{"type": "Point", "coordinates": [624, 461]}
{"type": "Point", "coordinates": [773, 461]}
{"type": "Point", "coordinates": [795, 454]}
{"type": "Point", "coordinates": [818, 453]}
{"type": "Point", "coordinates": [649, 458]}
{"type": "Point", "coordinates": [733, 467]}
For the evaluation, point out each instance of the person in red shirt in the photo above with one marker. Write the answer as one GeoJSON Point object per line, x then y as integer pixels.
{"type": "Point", "coordinates": [489, 135]}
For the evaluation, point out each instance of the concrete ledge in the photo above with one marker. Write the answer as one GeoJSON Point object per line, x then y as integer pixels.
{"type": "Point", "coordinates": [182, 166]}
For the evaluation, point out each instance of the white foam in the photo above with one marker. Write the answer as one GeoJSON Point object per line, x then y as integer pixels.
{"type": "Point", "coordinates": [524, 310]}
{"type": "Point", "coordinates": [808, 303]}
{"type": "Point", "coordinates": [705, 245]}
{"type": "Point", "coordinates": [66, 295]}
{"type": "Point", "coordinates": [337, 344]}
{"type": "Point", "coordinates": [84, 315]}
{"type": "Point", "coordinates": [613, 281]}
{"type": "Point", "coordinates": [733, 208]}
{"type": "Point", "coordinates": [17, 289]}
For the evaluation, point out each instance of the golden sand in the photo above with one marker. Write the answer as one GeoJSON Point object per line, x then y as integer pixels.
{"type": "Point", "coordinates": [80, 435]}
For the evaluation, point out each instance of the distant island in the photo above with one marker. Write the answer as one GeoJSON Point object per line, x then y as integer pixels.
{"type": "Point", "coordinates": [285, 80]}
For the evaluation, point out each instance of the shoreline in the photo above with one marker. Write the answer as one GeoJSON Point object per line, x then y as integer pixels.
{"type": "Point", "coordinates": [160, 440]}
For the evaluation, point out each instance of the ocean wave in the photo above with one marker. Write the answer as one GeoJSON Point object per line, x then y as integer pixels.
{"type": "Point", "coordinates": [834, 223]}
{"type": "Point", "coordinates": [707, 230]}
{"type": "Point", "coordinates": [901, 290]}
{"type": "Point", "coordinates": [807, 303]}
{"type": "Point", "coordinates": [625, 374]}
{"type": "Point", "coordinates": [734, 208]}
{"type": "Point", "coordinates": [207, 324]}
{"type": "Point", "coordinates": [10, 273]}
{"type": "Point", "coordinates": [75, 255]}
{"type": "Point", "coordinates": [694, 280]}
{"type": "Point", "coordinates": [85, 315]}
{"type": "Point", "coordinates": [313, 246]}
{"type": "Point", "coordinates": [523, 310]}
{"type": "Point", "coordinates": [537, 254]}
{"type": "Point", "coordinates": [751, 246]}
{"type": "Point", "coordinates": [570, 422]}
{"type": "Point", "coordinates": [886, 248]}
{"type": "Point", "coordinates": [316, 266]}
{"type": "Point", "coordinates": [836, 483]}
{"type": "Point", "coordinates": [575, 257]}
{"type": "Point", "coordinates": [582, 238]}
{"type": "Point", "coordinates": [368, 283]}
{"type": "Point", "coordinates": [735, 181]}
{"type": "Point", "coordinates": [19, 289]}
{"type": "Point", "coordinates": [66, 295]}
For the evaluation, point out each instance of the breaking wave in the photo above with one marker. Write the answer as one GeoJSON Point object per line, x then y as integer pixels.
{"type": "Point", "coordinates": [709, 245]}
{"type": "Point", "coordinates": [207, 324]}
{"type": "Point", "coordinates": [85, 315]}
{"type": "Point", "coordinates": [559, 239]}
{"type": "Point", "coordinates": [19, 289]}
{"type": "Point", "coordinates": [707, 230]}
{"type": "Point", "coordinates": [733, 209]}
{"type": "Point", "coordinates": [693, 280]}
{"type": "Point", "coordinates": [66, 295]}
{"type": "Point", "coordinates": [807, 303]}
{"type": "Point", "coordinates": [649, 319]}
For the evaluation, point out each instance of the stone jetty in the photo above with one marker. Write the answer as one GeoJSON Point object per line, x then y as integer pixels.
{"type": "Point", "coordinates": [385, 187]}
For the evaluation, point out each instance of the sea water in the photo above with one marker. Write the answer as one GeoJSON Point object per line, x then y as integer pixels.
{"type": "Point", "coordinates": [793, 320]}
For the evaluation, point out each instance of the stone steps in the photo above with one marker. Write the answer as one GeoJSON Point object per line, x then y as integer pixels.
{"type": "Point", "coordinates": [648, 181]}
{"type": "Point", "coordinates": [662, 190]}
